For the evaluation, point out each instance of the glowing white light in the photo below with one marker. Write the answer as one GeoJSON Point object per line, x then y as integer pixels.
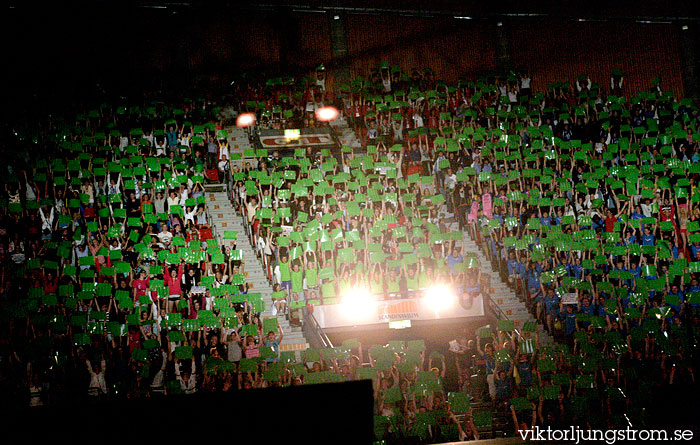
{"type": "Point", "coordinates": [440, 298]}
{"type": "Point", "coordinates": [326, 114]}
{"type": "Point", "coordinates": [245, 120]}
{"type": "Point", "coordinates": [357, 303]}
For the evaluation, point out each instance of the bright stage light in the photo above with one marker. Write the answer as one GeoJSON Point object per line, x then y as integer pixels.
{"type": "Point", "coordinates": [326, 114]}
{"type": "Point", "coordinates": [357, 303]}
{"type": "Point", "coordinates": [245, 120]}
{"type": "Point", "coordinates": [440, 298]}
{"type": "Point", "coordinates": [292, 134]}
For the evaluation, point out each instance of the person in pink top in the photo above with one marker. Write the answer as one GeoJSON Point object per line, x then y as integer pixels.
{"type": "Point", "coordinates": [173, 280]}
{"type": "Point", "coordinates": [140, 285]}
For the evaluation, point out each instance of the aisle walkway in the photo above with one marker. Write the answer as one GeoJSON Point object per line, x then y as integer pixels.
{"type": "Point", "coordinates": [224, 219]}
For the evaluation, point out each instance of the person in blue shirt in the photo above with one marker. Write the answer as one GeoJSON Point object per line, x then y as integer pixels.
{"type": "Point", "coordinates": [676, 291]}
{"type": "Point", "coordinates": [524, 365]}
{"type": "Point", "coordinates": [454, 259]}
{"type": "Point", "coordinates": [694, 249]}
{"type": "Point", "coordinates": [551, 307]}
{"type": "Point", "coordinates": [674, 249]}
{"type": "Point", "coordinates": [630, 238]}
{"type": "Point", "coordinates": [652, 292]}
{"type": "Point", "coordinates": [648, 239]}
{"type": "Point", "coordinates": [637, 213]}
{"type": "Point", "coordinates": [587, 306]}
{"type": "Point", "coordinates": [533, 282]}
{"type": "Point", "coordinates": [575, 268]}
{"type": "Point", "coordinates": [274, 343]}
{"type": "Point", "coordinates": [601, 311]}
{"type": "Point", "coordinates": [692, 289]}
{"type": "Point", "coordinates": [513, 266]}
{"type": "Point", "coordinates": [522, 269]}
{"type": "Point", "coordinates": [635, 270]}
{"type": "Point", "coordinates": [172, 138]}
{"type": "Point", "coordinates": [560, 215]}
{"type": "Point", "coordinates": [568, 318]}
{"type": "Point", "coordinates": [546, 219]}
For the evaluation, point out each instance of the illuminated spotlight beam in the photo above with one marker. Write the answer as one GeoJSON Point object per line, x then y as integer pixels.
{"type": "Point", "coordinates": [327, 114]}
{"type": "Point", "coordinates": [440, 298]}
{"type": "Point", "coordinates": [357, 303]}
{"type": "Point", "coordinates": [245, 120]}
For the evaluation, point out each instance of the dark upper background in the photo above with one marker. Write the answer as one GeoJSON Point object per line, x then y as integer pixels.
{"type": "Point", "coordinates": [74, 53]}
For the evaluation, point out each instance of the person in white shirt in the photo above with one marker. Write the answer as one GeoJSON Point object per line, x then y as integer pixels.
{"type": "Point", "coordinates": [252, 207]}
{"type": "Point", "coordinates": [157, 385]}
{"type": "Point", "coordinates": [184, 194]}
{"type": "Point", "coordinates": [398, 160]}
{"type": "Point", "coordinates": [502, 88]}
{"type": "Point", "coordinates": [164, 236]}
{"type": "Point", "coordinates": [450, 180]}
{"type": "Point", "coordinates": [525, 85]}
{"type": "Point", "coordinates": [185, 140]}
{"type": "Point", "coordinates": [417, 120]}
{"type": "Point", "coordinates": [513, 95]}
{"type": "Point", "coordinates": [187, 380]}
{"type": "Point", "coordinates": [223, 164]}
{"type": "Point", "coordinates": [223, 149]}
{"type": "Point", "coordinates": [321, 78]}
{"type": "Point", "coordinates": [189, 214]}
{"type": "Point", "coordinates": [160, 147]}
{"type": "Point", "coordinates": [46, 224]}
{"type": "Point", "coordinates": [81, 251]}
{"type": "Point", "coordinates": [98, 385]}
{"type": "Point", "coordinates": [580, 86]}
{"type": "Point", "coordinates": [173, 199]}
{"type": "Point", "coordinates": [114, 187]}
{"type": "Point", "coordinates": [386, 80]}
{"type": "Point", "coordinates": [616, 84]}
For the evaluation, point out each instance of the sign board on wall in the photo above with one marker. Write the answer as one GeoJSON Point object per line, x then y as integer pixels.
{"type": "Point", "coordinates": [299, 141]}
{"type": "Point", "coordinates": [383, 312]}
{"type": "Point", "coordinates": [321, 137]}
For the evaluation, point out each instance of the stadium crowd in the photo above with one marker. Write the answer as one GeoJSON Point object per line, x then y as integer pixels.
{"type": "Point", "coordinates": [113, 284]}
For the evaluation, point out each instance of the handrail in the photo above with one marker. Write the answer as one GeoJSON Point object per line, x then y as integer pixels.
{"type": "Point", "coordinates": [314, 331]}
{"type": "Point", "coordinates": [492, 305]}
{"type": "Point", "coordinates": [497, 311]}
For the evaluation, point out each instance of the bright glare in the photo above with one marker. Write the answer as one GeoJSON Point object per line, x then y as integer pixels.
{"type": "Point", "coordinates": [357, 303]}
{"type": "Point", "coordinates": [245, 120]}
{"type": "Point", "coordinates": [440, 298]}
{"type": "Point", "coordinates": [326, 114]}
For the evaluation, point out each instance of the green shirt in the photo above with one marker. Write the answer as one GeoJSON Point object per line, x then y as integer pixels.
{"type": "Point", "coordinates": [297, 280]}
{"type": "Point", "coordinates": [328, 290]}
{"type": "Point", "coordinates": [423, 280]}
{"type": "Point", "coordinates": [412, 283]}
{"type": "Point", "coordinates": [284, 272]}
{"type": "Point", "coordinates": [376, 286]}
{"type": "Point", "coordinates": [393, 286]}
{"type": "Point", "coordinates": [311, 276]}
{"type": "Point", "coordinates": [344, 285]}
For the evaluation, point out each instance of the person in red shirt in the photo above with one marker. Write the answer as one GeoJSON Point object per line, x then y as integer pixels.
{"type": "Point", "coordinates": [90, 212]}
{"type": "Point", "coordinates": [173, 279]}
{"type": "Point", "coordinates": [610, 220]}
{"type": "Point", "coordinates": [140, 285]}
{"type": "Point", "coordinates": [667, 212]}
{"type": "Point", "coordinates": [50, 283]}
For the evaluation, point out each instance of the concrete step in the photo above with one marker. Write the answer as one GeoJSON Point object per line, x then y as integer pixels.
{"type": "Point", "coordinates": [224, 218]}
